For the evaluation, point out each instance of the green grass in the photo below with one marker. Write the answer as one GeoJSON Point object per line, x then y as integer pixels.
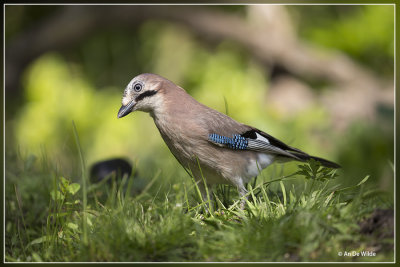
{"type": "Point", "coordinates": [305, 216]}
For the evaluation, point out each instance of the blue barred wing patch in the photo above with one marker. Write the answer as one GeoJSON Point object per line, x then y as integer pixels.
{"type": "Point", "coordinates": [235, 142]}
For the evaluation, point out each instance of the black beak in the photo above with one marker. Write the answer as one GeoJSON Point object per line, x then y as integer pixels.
{"type": "Point", "coordinates": [125, 110]}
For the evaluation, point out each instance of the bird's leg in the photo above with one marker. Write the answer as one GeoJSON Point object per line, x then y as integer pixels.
{"type": "Point", "coordinates": [242, 192]}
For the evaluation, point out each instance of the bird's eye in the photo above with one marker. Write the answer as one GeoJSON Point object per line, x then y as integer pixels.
{"type": "Point", "coordinates": [137, 87]}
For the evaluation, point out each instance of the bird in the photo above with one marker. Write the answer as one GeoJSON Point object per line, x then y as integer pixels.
{"type": "Point", "coordinates": [208, 144]}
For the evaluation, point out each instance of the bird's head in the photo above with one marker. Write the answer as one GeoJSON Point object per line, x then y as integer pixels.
{"type": "Point", "coordinates": [142, 93]}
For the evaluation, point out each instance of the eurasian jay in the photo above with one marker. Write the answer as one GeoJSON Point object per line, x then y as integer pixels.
{"type": "Point", "coordinates": [206, 142]}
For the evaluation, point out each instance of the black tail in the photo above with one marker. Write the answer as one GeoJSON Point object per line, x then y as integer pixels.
{"type": "Point", "coordinates": [324, 162]}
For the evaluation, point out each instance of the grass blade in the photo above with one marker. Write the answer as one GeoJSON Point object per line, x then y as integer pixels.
{"type": "Point", "coordinates": [84, 180]}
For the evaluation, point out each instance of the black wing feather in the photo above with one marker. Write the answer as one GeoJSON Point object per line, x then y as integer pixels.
{"type": "Point", "coordinates": [285, 150]}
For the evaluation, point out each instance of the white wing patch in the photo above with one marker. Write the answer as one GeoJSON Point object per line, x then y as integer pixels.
{"type": "Point", "coordinates": [262, 138]}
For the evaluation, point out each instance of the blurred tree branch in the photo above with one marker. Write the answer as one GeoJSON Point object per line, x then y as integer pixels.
{"type": "Point", "coordinates": [266, 32]}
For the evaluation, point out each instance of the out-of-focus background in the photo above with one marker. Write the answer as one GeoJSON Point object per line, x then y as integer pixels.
{"type": "Point", "coordinates": [318, 77]}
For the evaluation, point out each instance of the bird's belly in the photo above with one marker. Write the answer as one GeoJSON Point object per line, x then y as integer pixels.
{"type": "Point", "coordinates": [257, 164]}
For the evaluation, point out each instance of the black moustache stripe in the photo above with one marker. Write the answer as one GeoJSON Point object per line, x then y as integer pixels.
{"type": "Point", "coordinates": [145, 94]}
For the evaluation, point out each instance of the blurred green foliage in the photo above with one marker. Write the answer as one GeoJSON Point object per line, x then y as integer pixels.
{"type": "Point", "coordinates": [363, 32]}
{"type": "Point", "coordinates": [19, 17]}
